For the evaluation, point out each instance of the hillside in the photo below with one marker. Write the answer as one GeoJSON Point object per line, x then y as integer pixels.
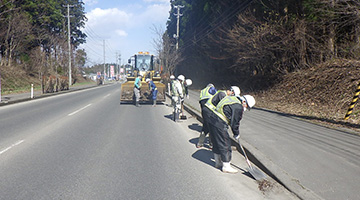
{"type": "Point", "coordinates": [321, 94]}
{"type": "Point", "coordinates": [17, 80]}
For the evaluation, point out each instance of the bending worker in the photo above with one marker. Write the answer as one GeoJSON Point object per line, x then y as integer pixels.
{"type": "Point", "coordinates": [228, 112]}
{"type": "Point", "coordinates": [153, 89]}
{"type": "Point", "coordinates": [205, 95]}
{"type": "Point", "coordinates": [212, 102]}
{"type": "Point", "coordinates": [137, 87]}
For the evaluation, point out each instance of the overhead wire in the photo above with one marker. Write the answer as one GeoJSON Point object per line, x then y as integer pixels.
{"type": "Point", "coordinates": [235, 11]}
{"type": "Point", "coordinates": [94, 38]}
{"type": "Point", "coordinates": [218, 24]}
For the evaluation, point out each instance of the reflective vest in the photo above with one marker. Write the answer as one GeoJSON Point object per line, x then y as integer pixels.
{"type": "Point", "coordinates": [175, 88]}
{"type": "Point", "coordinates": [172, 87]}
{"type": "Point", "coordinates": [220, 107]}
{"type": "Point", "coordinates": [137, 83]}
{"type": "Point", "coordinates": [204, 93]}
{"type": "Point", "coordinates": [209, 103]}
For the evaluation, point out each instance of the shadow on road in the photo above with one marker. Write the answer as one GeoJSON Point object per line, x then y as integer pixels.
{"type": "Point", "coordinates": [205, 156]}
{"type": "Point", "coordinates": [195, 127]}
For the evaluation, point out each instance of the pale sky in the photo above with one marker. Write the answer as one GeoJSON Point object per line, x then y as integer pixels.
{"type": "Point", "coordinates": [124, 25]}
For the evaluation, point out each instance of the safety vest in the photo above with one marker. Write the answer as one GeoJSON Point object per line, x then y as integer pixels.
{"type": "Point", "coordinates": [220, 107]}
{"type": "Point", "coordinates": [174, 89]}
{"type": "Point", "coordinates": [209, 103]}
{"type": "Point", "coordinates": [137, 82]}
{"type": "Point", "coordinates": [204, 93]}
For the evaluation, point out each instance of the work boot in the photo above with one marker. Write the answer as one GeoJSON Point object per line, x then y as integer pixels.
{"type": "Point", "coordinates": [228, 169]}
{"type": "Point", "coordinates": [201, 140]}
{"type": "Point", "coordinates": [218, 162]}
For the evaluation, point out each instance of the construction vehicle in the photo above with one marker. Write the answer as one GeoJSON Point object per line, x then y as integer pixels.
{"type": "Point", "coordinates": [142, 63]}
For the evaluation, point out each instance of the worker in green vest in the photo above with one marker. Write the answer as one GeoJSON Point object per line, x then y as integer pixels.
{"type": "Point", "coordinates": [205, 95]}
{"type": "Point", "coordinates": [228, 112]}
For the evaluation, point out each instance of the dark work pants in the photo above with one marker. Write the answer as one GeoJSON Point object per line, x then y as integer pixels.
{"type": "Point", "coordinates": [205, 113]}
{"type": "Point", "coordinates": [220, 137]}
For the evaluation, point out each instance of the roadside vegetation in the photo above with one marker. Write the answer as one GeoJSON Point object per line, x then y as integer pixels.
{"type": "Point", "coordinates": [297, 57]}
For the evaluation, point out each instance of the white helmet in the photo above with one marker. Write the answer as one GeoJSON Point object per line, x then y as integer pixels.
{"type": "Point", "coordinates": [188, 82]}
{"type": "Point", "coordinates": [236, 91]}
{"type": "Point", "coordinates": [210, 85]}
{"type": "Point", "coordinates": [147, 80]}
{"type": "Point", "coordinates": [172, 77]}
{"type": "Point", "coordinates": [181, 77]}
{"type": "Point", "coordinates": [250, 101]}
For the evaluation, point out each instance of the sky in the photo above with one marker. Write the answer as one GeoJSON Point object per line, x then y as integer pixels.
{"type": "Point", "coordinates": [126, 26]}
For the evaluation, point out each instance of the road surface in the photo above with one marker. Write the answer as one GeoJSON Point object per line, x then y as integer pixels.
{"type": "Point", "coordinates": [85, 145]}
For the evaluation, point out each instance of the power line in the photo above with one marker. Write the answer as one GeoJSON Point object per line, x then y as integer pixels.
{"type": "Point", "coordinates": [219, 23]}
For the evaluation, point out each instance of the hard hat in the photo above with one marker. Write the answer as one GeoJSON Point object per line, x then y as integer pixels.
{"type": "Point", "coordinates": [236, 91]}
{"type": "Point", "coordinates": [250, 101]}
{"type": "Point", "coordinates": [210, 85]}
{"type": "Point", "coordinates": [172, 77]}
{"type": "Point", "coordinates": [147, 80]}
{"type": "Point", "coordinates": [181, 77]}
{"type": "Point", "coordinates": [188, 82]}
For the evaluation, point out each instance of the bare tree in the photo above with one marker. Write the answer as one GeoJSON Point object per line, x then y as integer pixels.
{"type": "Point", "coordinates": [17, 29]}
{"type": "Point", "coordinates": [165, 50]}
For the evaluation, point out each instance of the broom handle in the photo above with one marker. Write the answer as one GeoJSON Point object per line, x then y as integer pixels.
{"type": "Point", "coordinates": [247, 160]}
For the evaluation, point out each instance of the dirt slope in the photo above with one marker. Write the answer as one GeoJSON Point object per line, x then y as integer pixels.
{"type": "Point", "coordinates": [321, 94]}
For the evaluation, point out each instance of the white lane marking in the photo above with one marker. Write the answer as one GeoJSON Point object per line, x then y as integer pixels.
{"type": "Point", "coordinates": [73, 113]}
{"type": "Point", "coordinates": [13, 145]}
{"type": "Point", "coordinates": [107, 95]}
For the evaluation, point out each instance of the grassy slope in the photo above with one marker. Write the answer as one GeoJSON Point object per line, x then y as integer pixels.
{"type": "Point", "coordinates": [15, 80]}
{"type": "Point", "coordinates": [322, 94]}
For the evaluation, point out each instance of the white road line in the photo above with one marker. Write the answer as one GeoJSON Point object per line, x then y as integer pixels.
{"type": "Point", "coordinates": [73, 113]}
{"type": "Point", "coordinates": [13, 145]}
{"type": "Point", "coordinates": [107, 95]}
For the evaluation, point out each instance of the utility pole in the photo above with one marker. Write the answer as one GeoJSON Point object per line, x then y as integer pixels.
{"type": "Point", "coordinates": [117, 65]}
{"type": "Point", "coordinates": [178, 15]}
{"type": "Point", "coordinates": [118, 59]}
{"type": "Point", "coordinates": [69, 42]}
{"type": "Point", "coordinates": [104, 60]}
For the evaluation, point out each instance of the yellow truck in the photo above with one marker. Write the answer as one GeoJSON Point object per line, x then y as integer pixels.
{"type": "Point", "coordinates": [142, 63]}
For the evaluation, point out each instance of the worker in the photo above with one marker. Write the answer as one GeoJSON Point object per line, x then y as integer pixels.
{"type": "Point", "coordinates": [212, 102]}
{"type": "Point", "coordinates": [228, 112]}
{"type": "Point", "coordinates": [137, 87]}
{"type": "Point", "coordinates": [153, 89]}
{"type": "Point", "coordinates": [181, 79]}
{"type": "Point", "coordinates": [178, 95]}
{"type": "Point", "coordinates": [187, 84]}
{"type": "Point", "coordinates": [205, 95]}
{"type": "Point", "coordinates": [172, 81]}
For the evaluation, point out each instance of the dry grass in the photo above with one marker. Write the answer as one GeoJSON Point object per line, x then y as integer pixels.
{"type": "Point", "coordinates": [15, 80]}
{"type": "Point", "coordinates": [321, 94]}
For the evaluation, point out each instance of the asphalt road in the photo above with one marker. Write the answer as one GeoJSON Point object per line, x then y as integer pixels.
{"type": "Point", "coordinates": [313, 161]}
{"type": "Point", "coordinates": [85, 145]}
